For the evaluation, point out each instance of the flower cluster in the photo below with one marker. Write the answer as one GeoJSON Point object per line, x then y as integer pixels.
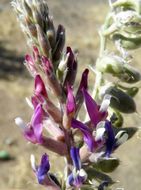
{"type": "Point", "coordinates": [87, 144]}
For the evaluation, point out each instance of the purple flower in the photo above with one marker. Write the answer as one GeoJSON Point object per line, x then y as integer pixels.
{"type": "Point", "coordinates": [30, 62]}
{"type": "Point", "coordinates": [33, 130]}
{"type": "Point", "coordinates": [71, 68]}
{"type": "Point", "coordinates": [78, 175]}
{"type": "Point", "coordinates": [96, 113]}
{"type": "Point", "coordinates": [47, 65]}
{"type": "Point", "coordinates": [70, 103]}
{"type": "Point", "coordinates": [42, 173]}
{"type": "Point", "coordinates": [36, 54]}
{"type": "Point", "coordinates": [83, 85]}
{"type": "Point", "coordinates": [43, 169]}
{"type": "Point", "coordinates": [40, 93]}
{"type": "Point", "coordinates": [75, 157]}
{"type": "Point", "coordinates": [84, 80]}
{"type": "Point", "coordinates": [110, 139]}
{"type": "Point", "coordinates": [88, 138]}
{"type": "Point", "coordinates": [40, 89]}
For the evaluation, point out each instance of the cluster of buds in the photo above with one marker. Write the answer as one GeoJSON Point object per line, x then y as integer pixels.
{"type": "Point", "coordinates": [86, 145]}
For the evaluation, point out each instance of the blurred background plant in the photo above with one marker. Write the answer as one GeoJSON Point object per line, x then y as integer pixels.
{"type": "Point", "coordinates": [88, 48]}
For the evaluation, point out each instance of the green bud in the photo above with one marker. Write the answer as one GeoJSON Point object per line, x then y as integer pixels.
{"type": "Point", "coordinates": [108, 164]}
{"type": "Point", "coordinates": [121, 101]}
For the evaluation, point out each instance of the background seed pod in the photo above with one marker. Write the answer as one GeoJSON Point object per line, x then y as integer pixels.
{"type": "Point", "coordinates": [98, 175]}
{"type": "Point", "coordinates": [130, 91]}
{"type": "Point", "coordinates": [120, 100]}
{"type": "Point", "coordinates": [118, 68]}
{"type": "Point", "coordinates": [110, 64]}
{"type": "Point", "coordinates": [108, 165]}
{"type": "Point", "coordinates": [130, 75]}
{"type": "Point", "coordinates": [128, 5]}
{"type": "Point", "coordinates": [127, 43]}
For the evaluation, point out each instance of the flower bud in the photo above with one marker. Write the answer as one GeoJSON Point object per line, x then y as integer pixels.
{"type": "Point", "coordinates": [43, 42]}
{"type": "Point", "coordinates": [60, 42]}
{"type": "Point", "coordinates": [83, 85]}
{"type": "Point", "coordinates": [120, 100]}
{"type": "Point", "coordinates": [27, 9]}
{"type": "Point", "coordinates": [37, 17]}
{"type": "Point", "coordinates": [71, 68]}
{"type": "Point", "coordinates": [31, 27]}
{"type": "Point", "coordinates": [51, 33]}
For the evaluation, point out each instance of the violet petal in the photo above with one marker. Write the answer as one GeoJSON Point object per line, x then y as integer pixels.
{"type": "Point", "coordinates": [40, 87]}
{"type": "Point", "coordinates": [110, 141]}
{"type": "Point", "coordinates": [92, 108]}
{"type": "Point", "coordinates": [75, 157]}
{"type": "Point", "coordinates": [43, 168]}
{"type": "Point", "coordinates": [88, 138]}
{"type": "Point", "coordinates": [70, 103]}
